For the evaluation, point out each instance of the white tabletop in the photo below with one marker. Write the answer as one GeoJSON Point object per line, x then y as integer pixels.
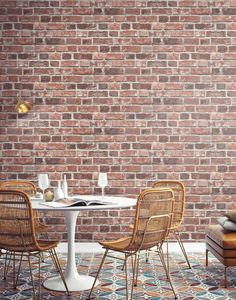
{"type": "Point", "coordinates": [113, 202]}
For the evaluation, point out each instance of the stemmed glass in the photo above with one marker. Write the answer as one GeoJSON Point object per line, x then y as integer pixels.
{"type": "Point", "coordinates": [102, 182]}
{"type": "Point", "coordinates": [43, 182]}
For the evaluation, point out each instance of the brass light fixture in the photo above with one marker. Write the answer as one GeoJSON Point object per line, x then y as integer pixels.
{"type": "Point", "coordinates": [23, 106]}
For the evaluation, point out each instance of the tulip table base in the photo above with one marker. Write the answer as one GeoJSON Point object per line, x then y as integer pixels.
{"type": "Point", "coordinates": [74, 280]}
{"type": "Point", "coordinates": [75, 283]}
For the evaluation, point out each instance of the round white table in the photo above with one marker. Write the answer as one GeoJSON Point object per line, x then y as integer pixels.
{"type": "Point", "coordinates": [74, 280]}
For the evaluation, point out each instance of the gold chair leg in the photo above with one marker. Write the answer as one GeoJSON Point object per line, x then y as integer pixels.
{"type": "Point", "coordinates": [167, 255]}
{"type": "Point", "coordinates": [14, 270]}
{"type": "Point", "coordinates": [6, 264]}
{"type": "Point", "coordinates": [134, 263]}
{"type": "Point", "coordinates": [56, 262]}
{"type": "Point", "coordinates": [98, 272]}
{"type": "Point", "coordinates": [31, 275]}
{"type": "Point", "coordinates": [134, 275]}
{"type": "Point", "coordinates": [126, 278]}
{"type": "Point", "coordinates": [136, 269]}
{"type": "Point", "coordinates": [166, 271]}
{"type": "Point", "coordinates": [19, 267]}
{"type": "Point", "coordinates": [39, 275]}
{"type": "Point", "coordinates": [11, 256]}
{"type": "Point", "coordinates": [182, 248]}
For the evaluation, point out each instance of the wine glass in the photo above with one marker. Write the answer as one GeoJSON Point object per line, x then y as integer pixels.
{"type": "Point", "coordinates": [102, 182]}
{"type": "Point", "coordinates": [43, 182]}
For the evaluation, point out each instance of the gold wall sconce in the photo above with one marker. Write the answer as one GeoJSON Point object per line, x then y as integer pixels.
{"type": "Point", "coordinates": [23, 106]}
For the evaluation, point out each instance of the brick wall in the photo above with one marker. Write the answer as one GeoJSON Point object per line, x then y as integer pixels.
{"type": "Point", "coordinates": [143, 90]}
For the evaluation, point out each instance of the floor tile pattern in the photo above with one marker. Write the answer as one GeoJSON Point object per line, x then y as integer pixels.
{"type": "Point", "coordinates": [200, 282]}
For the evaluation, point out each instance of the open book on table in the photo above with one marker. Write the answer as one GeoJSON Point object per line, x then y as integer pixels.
{"type": "Point", "coordinates": [73, 202]}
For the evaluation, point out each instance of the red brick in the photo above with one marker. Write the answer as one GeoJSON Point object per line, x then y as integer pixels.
{"type": "Point", "coordinates": [143, 92]}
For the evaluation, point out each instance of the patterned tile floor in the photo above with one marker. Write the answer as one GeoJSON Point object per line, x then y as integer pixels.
{"type": "Point", "coordinates": [200, 282]}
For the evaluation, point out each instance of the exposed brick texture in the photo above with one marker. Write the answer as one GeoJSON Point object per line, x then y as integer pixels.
{"type": "Point", "coordinates": [143, 90]}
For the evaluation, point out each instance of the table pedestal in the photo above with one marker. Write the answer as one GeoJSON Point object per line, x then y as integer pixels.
{"type": "Point", "coordinates": [74, 280]}
{"type": "Point", "coordinates": [75, 283]}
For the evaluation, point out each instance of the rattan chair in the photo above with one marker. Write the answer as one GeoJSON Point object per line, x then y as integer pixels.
{"type": "Point", "coordinates": [18, 236]}
{"type": "Point", "coordinates": [151, 226]}
{"type": "Point", "coordinates": [178, 213]}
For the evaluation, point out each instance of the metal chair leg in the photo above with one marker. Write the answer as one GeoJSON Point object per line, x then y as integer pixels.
{"type": "Point", "coordinates": [167, 255]}
{"type": "Point", "coordinates": [182, 248]}
{"type": "Point", "coordinates": [6, 264]}
{"type": "Point", "coordinates": [56, 262]}
{"type": "Point", "coordinates": [136, 269]}
{"type": "Point", "coordinates": [126, 279]}
{"type": "Point", "coordinates": [135, 265]}
{"type": "Point", "coordinates": [167, 271]}
{"type": "Point", "coordinates": [14, 270]}
{"type": "Point", "coordinates": [19, 267]}
{"type": "Point", "coordinates": [98, 272]}
{"type": "Point", "coordinates": [32, 279]}
{"type": "Point", "coordinates": [159, 249]}
{"type": "Point", "coordinates": [39, 279]}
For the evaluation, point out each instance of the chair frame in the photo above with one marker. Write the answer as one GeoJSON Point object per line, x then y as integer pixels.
{"type": "Point", "coordinates": [19, 240]}
{"type": "Point", "coordinates": [145, 231]}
